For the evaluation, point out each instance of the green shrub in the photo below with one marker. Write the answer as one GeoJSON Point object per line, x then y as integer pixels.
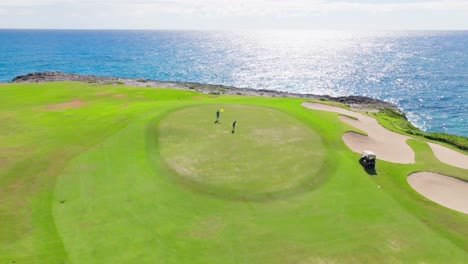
{"type": "Point", "coordinates": [396, 121]}
{"type": "Point", "coordinates": [457, 141]}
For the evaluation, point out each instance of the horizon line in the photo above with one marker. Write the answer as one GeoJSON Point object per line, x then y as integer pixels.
{"type": "Point", "coordinates": [228, 29]}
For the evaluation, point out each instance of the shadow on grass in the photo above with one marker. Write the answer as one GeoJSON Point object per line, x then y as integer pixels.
{"type": "Point", "coordinates": [370, 171]}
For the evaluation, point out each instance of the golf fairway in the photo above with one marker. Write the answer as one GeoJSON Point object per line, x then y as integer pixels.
{"type": "Point", "coordinates": [144, 175]}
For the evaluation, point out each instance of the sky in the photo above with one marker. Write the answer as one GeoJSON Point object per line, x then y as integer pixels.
{"type": "Point", "coordinates": [236, 14]}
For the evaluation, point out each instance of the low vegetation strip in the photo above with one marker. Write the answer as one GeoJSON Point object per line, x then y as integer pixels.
{"type": "Point", "coordinates": [396, 121]}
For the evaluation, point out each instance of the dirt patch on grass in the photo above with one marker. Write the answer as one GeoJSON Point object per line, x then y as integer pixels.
{"type": "Point", "coordinates": [318, 260]}
{"type": "Point", "coordinates": [207, 228]}
{"type": "Point", "coordinates": [12, 152]}
{"type": "Point", "coordinates": [7, 114]}
{"type": "Point", "coordinates": [396, 244]}
{"type": "Point", "coordinates": [76, 103]}
{"type": "Point", "coordinates": [102, 93]}
{"type": "Point", "coordinates": [119, 95]}
{"type": "Point", "coordinates": [4, 162]}
{"type": "Point", "coordinates": [444, 190]}
{"type": "Point", "coordinates": [15, 185]}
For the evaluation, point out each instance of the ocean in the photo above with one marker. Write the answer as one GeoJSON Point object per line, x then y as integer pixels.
{"type": "Point", "coordinates": [425, 73]}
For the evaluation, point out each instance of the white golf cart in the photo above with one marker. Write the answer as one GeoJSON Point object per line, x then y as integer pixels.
{"type": "Point", "coordinates": [368, 159]}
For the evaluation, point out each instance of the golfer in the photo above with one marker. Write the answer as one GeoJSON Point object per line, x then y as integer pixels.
{"type": "Point", "coordinates": [217, 117]}
{"type": "Point", "coordinates": [234, 127]}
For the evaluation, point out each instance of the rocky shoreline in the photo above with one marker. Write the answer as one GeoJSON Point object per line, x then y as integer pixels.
{"type": "Point", "coordinates": [355, 102]}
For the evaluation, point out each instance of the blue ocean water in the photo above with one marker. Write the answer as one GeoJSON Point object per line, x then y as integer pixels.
{"type": "Point", "coordinates": [424, 73]}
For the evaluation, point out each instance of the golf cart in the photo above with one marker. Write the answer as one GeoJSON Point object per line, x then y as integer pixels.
{"type": "Point", "coordinates": [368, 159]}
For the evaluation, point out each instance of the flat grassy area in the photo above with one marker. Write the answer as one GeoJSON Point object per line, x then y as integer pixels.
{"type": "Point", "coordinates": [267, 153]}
{"type": "Point", "coordinates": [115, 174]}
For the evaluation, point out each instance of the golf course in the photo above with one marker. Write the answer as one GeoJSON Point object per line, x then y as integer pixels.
{"type": "Point", "coordinates": [93, 173]}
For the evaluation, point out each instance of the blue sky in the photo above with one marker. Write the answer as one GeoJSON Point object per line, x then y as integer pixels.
{"type": "Point", "coordinates": [236, 14]}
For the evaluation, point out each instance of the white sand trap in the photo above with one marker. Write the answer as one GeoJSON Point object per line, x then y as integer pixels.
{"type": "Point", "coordinates": [449, 156]}
{"type": "Point", "coordinates": [444, 190]}
{"type": "Point", "coordinates": [388, 145]}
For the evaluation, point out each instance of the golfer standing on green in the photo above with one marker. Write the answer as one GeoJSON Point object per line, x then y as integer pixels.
{"type": "Point", "coordinates": [234, 127]}
{"type": "Point", "coordinates": [217, 117]}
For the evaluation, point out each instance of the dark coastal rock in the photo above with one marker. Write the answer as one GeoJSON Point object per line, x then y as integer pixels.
{"type": "Point", "coordinates": [51, 76]}
{"type": "Point", "coordinates": [358, 102]}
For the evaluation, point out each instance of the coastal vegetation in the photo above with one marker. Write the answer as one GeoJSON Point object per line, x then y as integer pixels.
{"type": "Point", "coordinates": [397, 121]}
{"type": "Point", "coordinates": [95, 173]}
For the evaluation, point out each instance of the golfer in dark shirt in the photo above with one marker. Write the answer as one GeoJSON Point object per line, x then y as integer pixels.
{"type": "Point", "coordinates": [217, 117]}
{"type": "Point", "coordinates": [234, 127]}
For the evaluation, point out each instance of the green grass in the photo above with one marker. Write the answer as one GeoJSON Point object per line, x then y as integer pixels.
{"type": "Point", "coordinates": [244, 162]}
{"type": "Point", "coordinates": [100, 183]}
{"type": "Point", "coordinates": [398, 122]}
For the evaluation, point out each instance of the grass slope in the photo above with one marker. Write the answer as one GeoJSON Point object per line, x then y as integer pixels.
{"type": "Point", "coordinates": [91, 185]}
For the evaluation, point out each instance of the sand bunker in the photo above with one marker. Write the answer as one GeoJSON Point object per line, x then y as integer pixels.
{"type": "Point", "coordinates": [74, 103]}
{"type": "Point", "coordinates": [388, 145]}
{"type": "Point", "coordinates": [449, 156]}
{"type": "Point", "coordinates": [444, 190]}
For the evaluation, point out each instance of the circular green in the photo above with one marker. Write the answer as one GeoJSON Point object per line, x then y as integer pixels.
{"type": "Point", "coordinates": [269, 151]}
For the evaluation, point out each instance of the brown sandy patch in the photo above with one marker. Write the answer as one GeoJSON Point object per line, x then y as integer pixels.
{"type": "Point", "coordinates": [7, 114]}
{"type": "Point", "coordinates": [388, 145]}
{"type": "Point", "coordinates": [102, 93]}
{"type": "Point", "coordinates": [207, 228]}
{"type": "Point", "coordinates": [74, 103]}
{"type": "Point", "coordinates": [15, 185]}
{"type": "Point", "coordinates": [318, 260]}
{"type": "Point", "coordinates": [124, 106]}
{"type": "Point", "coordinates": [395, 245]}
{"type": "Point", "coordinates": [4, 161]}
{"type": "Point", "coordinates": [449, 156]}
{"type": "Point", "coordinates": [444, 190]}
{"type": "Point", "coordinates": [118, 95]}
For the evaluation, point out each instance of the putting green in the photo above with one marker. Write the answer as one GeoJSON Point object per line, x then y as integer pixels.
{"type": "Point", "coordinates": [269, 151]}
